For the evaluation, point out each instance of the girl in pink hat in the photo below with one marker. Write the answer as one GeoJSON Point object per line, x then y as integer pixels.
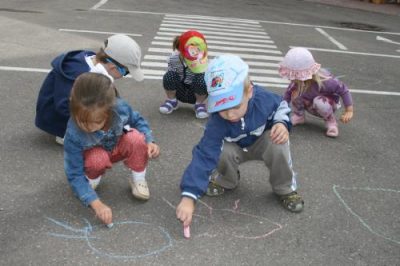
{"type": "Point", "coordinates": [314, 90]}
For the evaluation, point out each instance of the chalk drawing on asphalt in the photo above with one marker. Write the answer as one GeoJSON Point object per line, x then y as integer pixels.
{"type": "Point", "coordinates": [98, 238]}
{"type": "Point", "coordinates": [338, 190]}
{"type": "Point", "coordinates": [233, 222]}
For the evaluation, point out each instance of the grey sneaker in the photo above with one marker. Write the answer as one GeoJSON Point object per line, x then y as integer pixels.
{"type": "Point", "coordinates": [213, 188]}
{"type": "Point", "coordinates": [292, 202]}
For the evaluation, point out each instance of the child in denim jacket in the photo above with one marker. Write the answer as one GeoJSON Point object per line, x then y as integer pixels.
{"type": "Point", "coordinates": [247, 122]}
{"type": "Point", "coordinates": [102, 130]}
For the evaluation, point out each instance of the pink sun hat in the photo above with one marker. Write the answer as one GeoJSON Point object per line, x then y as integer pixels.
{"type": "Point", "coordinates": [298, 64]}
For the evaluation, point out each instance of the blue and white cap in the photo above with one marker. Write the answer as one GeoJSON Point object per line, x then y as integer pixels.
{"type": "Point", "coordinates": [225, 78]}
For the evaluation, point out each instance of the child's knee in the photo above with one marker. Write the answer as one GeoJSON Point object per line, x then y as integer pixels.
{"type": "Point", "coordinates": [280, 150]}
{"type": "Point", "coordinates": [170, 80]}
{"type": "Point", "coordinates": [323, 106]}
{"type": "Point", "coordinates": [135, 137]}
{"type": "Point", "coordinates": [96, 159]}
{"type": "Point", "coordinates": [134, 140]}
{"type": "Point", "coordinates": [135, 151]}
{"type": "Point", "coordinates": [229, 154]}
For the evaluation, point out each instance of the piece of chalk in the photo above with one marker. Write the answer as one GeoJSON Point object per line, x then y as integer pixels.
{"type": "Point", "coordinates": [110, 225]}
{"type": "Point", "coordinates": [186, 231]}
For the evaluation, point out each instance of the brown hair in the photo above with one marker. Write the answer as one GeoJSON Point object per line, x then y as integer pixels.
{"type": "Point", "coordinates": [91, 91]}
{"type": "Point", "coordinates": [101, 56]}
{"type": "Point", "coordinates": [175, 43]}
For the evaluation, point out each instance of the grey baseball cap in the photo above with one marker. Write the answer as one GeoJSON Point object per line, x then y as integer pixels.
{"type": "Point", "coordinates": [125, 51]}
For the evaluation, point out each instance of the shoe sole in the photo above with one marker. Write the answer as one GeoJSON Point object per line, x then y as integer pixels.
{"type": "Point", "coordinates": [140, 196]}
{"type": "Point", "coordinates": [201, 117]}
{"type": "Point", "coordinates": [167, 113]}
{"type": "Point", "coordinates": [332, 134]}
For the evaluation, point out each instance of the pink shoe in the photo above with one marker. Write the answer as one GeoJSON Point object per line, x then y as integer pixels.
{"type": "Point", "coordinates": [297, 119]}
{"type": "Point", "coordinates": [332, 128]}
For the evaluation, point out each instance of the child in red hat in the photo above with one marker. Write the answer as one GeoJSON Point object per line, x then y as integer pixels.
{"type": "Point", "coordinates": [184, 79]}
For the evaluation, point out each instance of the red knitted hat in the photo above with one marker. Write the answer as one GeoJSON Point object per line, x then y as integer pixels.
{"type": "Point", "coordinates": [193, 48]}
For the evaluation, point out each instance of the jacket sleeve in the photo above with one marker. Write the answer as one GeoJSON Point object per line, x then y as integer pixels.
{"type": "Point", "coordinates": [282, 114]}
{"type": "Point", "coordinates": [138, 122]}
{"type": "Point", "coordinates": [173, 61]}
{"type": "Point", "coordinates": [287, 96]}
{"type": "Point", "coordinates": [336, 86]}
{"type": "Point", "coordinates": [205, 157]}
{"type": "Point", "coordinates": [74, 170]}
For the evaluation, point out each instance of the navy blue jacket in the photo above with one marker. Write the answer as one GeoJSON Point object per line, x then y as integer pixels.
{"type": "Point", "coordinates": [264, 110]}
{"type": "Point", "coordinates": [52, 107]}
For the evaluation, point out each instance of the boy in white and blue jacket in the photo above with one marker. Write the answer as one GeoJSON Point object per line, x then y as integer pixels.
{"type": "Point", "coordinates": [246, 123]}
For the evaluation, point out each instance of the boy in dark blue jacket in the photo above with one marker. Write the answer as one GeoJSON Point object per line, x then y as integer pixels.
{"type": "Point", "coordinates": [119, 56]}
{"type": "Point", "coordinates": [247, 123]}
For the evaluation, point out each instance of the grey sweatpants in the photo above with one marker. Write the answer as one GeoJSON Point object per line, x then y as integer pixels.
{"type": "Point", "coordinates": [275, 156]}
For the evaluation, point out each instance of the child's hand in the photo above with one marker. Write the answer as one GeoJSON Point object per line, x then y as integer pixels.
{"type": "Point", "coordinates": [347, 115]}
{"type": "Point", "coordinates": [153, 150]}
{"type": "Point", "coordinates": [279, 133]}
{"type": "Point", "coordinates": [103, 212]}
{"type": "Point", "coordinates": [184, 210]}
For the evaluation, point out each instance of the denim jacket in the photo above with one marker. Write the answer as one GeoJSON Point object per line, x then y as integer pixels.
{"type": "Point", "coordinates": [76, 141]}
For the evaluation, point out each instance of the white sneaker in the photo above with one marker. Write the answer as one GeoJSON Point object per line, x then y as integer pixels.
{"type": "Point", "coordinates": [60, 140]}
{"type": "Point", "coordinates": [94, 183]}
{"type": "Point", "coordinates": [140, 190]}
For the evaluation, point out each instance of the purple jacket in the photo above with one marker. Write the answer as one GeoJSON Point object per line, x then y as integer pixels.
{"type": "Point", "coordinates": [331, 87]}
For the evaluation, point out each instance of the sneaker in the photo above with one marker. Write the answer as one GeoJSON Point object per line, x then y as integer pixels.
{"type": "Point", "coordinates": [200, 110]}
{"type": "Point", "coordinates": [94, 183]}
{"type": "Point", "coordinates": [60, 140]}
{"type": "Point", "coordinates": [332, 127]}
{"type": "Point", "coordinates": [213, 188]}
{"type": "Point", "coordinates": [140, 190]}
{"type": "Point", "coordinates": [297, 119]}
{"type": "Point", "coordinates": [292, 202]}
{"type": "Point", "coordinates": [168, 106]}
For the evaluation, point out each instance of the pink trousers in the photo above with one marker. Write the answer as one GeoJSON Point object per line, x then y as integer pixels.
{"type": "Point", "coordinates": [321, 106]}
{"type": "Point", "coordinates": [131, 148]}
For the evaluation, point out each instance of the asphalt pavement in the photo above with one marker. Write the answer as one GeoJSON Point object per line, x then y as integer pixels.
{"type": "Point", "coordinates": [350, 184]}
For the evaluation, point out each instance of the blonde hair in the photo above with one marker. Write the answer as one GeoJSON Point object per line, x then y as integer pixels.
{"type": "Point", "coordinates": [91, 91]}
{"type": "Point", "coordinates": [246, 84]}
{"type": "Point", "coordinates": [319, 78]}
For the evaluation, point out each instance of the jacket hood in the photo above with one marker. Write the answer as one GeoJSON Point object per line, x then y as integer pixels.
{"type": "Point", "coordinates": [71, 64]}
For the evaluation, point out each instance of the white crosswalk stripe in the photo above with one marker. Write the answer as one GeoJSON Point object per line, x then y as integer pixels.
{"type": "Point", "coordinates": [245, 38]}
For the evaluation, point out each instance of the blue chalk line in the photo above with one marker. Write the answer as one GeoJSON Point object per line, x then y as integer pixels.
{"type": "Point", "coordinates": [84, 234]}
{"type": "Point", "coordinates": [359, 217]}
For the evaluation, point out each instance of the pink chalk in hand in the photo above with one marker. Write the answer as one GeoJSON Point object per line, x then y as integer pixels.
{"type": "Point", "coordinates": [186, 231]}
